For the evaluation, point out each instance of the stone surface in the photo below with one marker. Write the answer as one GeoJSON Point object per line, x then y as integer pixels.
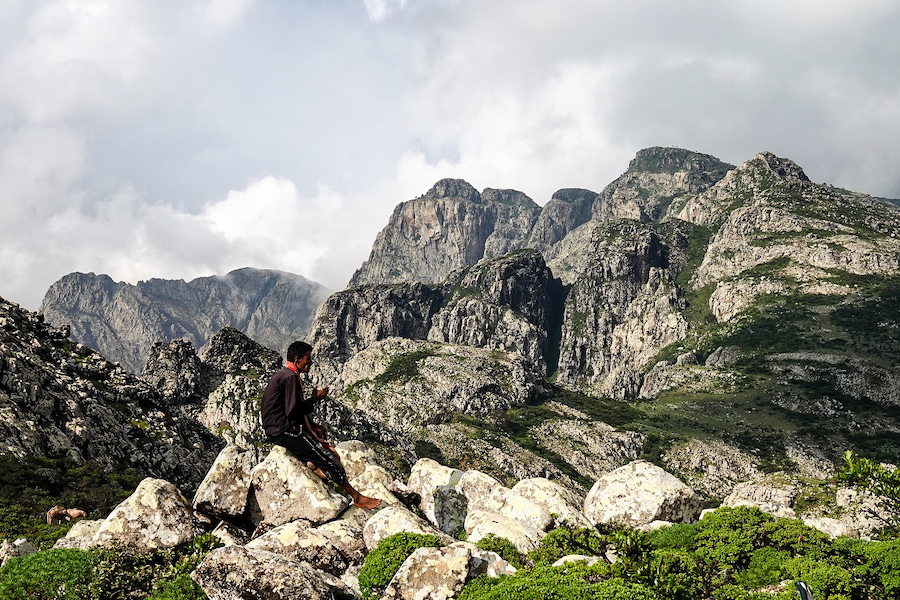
{"type": "Point", "coordinates": [284, 490]}
{"type": "Point", "coordinates": [435, 573]}
{"type": "Point", "coordinates": [156, 515]}
{"type": "Point", "coordinates": [640, 493]}
{"type": "Point", "coordinates": [562, 504]}
{"type": "Point", "coordinates": [18, 547]}
{"type": "Point", "coordinates": [772, 494]}
{"type": "Point", "coordinates": [396, 519]}
{"type": "Point", "coordinates": [300, 542]}
{"type": "Point", "coordinates": [237, 572]}
{"type": "Point", "coordinates": [224, 490]}
{"type": "Point", "coordinates": [479, 524]}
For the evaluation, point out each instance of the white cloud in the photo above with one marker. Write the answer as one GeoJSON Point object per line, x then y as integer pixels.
{"type": "Point", "coordinates": [379, 10]}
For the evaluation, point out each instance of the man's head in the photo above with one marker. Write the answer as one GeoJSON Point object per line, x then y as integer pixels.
{"type": "Point", "coordinates": [298, 350]}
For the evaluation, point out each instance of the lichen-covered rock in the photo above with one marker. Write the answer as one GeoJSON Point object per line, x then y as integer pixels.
{"type": "Point", "coordinates": [298, 541]}
{"type": "Point", "coordinates": [484, 493]}
{"type": "Point", "coordinates": [356, 457]}
{"type": "Point", "coordinates": [284, 490]}
{"type": "Point", "coordinates": [19, 547]}
{"type": "Point", "coordinates": [640, 493]}
{"type": "Point", "coordinates": [81, 535]}
{"type": "Point", "coordinates": [426, 476]}
{"type": "Point", "coordinates": [479, 524]}
{"type": "Point", "coordinates": [562, 504]}
{"type": "Point", "coordinates": [237, 572]}
{"type": "Point", "coordinates": [230, 534]}
{"type": "Point", "coordinates": [375, 482]}
{"type": "Point", "coordinates": [175, 370]}
{"type": "Point", "coordinates": [156, 515]}
{"type": "Point", "coordinates": [224, 490]}
{"type": "Point", "coordinates": [440, 573]}
{"type": "Point", "coordinates": [772, 494]}
{"type": "Point", "coordinates": [396, 519]}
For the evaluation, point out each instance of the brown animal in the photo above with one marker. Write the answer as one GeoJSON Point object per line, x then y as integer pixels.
{"type": "Point", "coordinates": [75, 513]}
{"type": "Point", "coordinates": [57, 513]}
{"type": "Point", "coordinates": [60, 513]}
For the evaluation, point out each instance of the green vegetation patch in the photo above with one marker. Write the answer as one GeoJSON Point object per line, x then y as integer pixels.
{"type": "Point", "coordinates": [30, 487]}
{"type": "Point", "coordinates": [383, 562]}
{"type": "Point", "coordinates": [404, 367]}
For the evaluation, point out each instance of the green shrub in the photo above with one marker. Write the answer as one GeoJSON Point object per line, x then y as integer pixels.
{"type": "Point", "coordinates": [382, 563]}
{"type": "Point", "coordinates": [878, 568]}
{"type": "Point", "coordinates": [181, 587]}
{"type": "Point", "coordinates": [61, 574]}
{"type": "Point", "coordinates": [730, 535]}
{"type": "Point", "coordinates": [767, 566]}
{"type": "Point", "coordinates": [828, 581]}
{"type": "Point", "coordinates": [502, 546]}
{"type": "Point", "coordinates": [679, 535]}
{"type": "Point", "coordinates": [798, 538]}
{"type": "Point", "coordinates": [564, 541]}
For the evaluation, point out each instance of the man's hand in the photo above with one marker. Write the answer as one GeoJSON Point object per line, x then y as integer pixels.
{"type": "Point", "coordinates": [319, 394]}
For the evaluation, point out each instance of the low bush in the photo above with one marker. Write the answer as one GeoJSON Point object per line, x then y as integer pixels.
{"type": "Point", "coordinates": [61, 574]}
{"type": "Point", "coordinates": [504, 548]}
{"type": "Point", "coordinates": [382, 563]}
{"type": "Point", "coordinates": [564, 541]}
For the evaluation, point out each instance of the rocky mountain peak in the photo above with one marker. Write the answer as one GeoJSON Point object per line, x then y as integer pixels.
{"type": "Point", "coordinates": [230, 351]}
{"type": "Point", "coordinates": [454, 188]}
{"type": "Point", "coordinates": [785, 168]}
{"type": "Point", "coordinates": [508, 197]}
{"type": "Point", "coordinates": [658, 159]}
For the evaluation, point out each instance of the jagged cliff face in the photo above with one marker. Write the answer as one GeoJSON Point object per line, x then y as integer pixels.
{"type": "Point", "coordinates": [507, 303]}
{"type": "Point", "coordinates": [449, 227]}
{"type": "Point", "coordinates": [624, 308]}
{"type": "Point", "coordinates": [59, 399]}
{"type": "Point", "coordinates": [123, 320]}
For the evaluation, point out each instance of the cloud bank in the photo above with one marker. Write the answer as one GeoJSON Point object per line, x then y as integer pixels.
{"type": "Point", "coordinates": [182, 139]}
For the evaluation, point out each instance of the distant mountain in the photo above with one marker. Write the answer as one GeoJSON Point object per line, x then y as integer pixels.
{"type": "Point", "coordinates": [123, 321]}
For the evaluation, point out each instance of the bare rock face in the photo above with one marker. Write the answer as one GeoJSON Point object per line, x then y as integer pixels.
{"type": "Point", "coordinates": [638, 494]}
{"type": "Point", "coordinates": [352, 320]}
{"type": "Point", "coordinates": [509, 303]}
{"type": "Point", "coordinates": [284, 490]}
{"type": "Point", "coordinates": [175, 370]}
{"type": "Point", "coordinates": [156, 515]}
{"type": "Point", "coordinates": [623, 308]}
{"type": "Point", "coordinates": [566, 210]}
{"type": "Point", "coordinates": [238, 572]}
{"type": "Point", "coordinates": [224, 490]}
{"type": "Point", "coordinates": [60, 399]}
{"type": "Point", "coordinates": [482, 523]}
{"type": "Point", "coordinates": [451, 226]}
{"type": "Point", "coordinates": [123, 321]}
{"type": "Point", "coordinates": [656, 179]}
{"type": "Point", "coordinates": [19, 547]}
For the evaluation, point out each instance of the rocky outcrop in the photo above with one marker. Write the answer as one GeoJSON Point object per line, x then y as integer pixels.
{"type": "Point", "coordinates": [156, 515]}
{"type": "Point", "coordinates": [638, 494]}
{"type": "Point", "coordinates": [123, 321]}
{"type": "Point", "coordinates": [623, 308]}
{"type": "Point", "coordinates": [224, 490]}
{"type": "Point", "coordinates": [656, 180]}
{"type": "Point", "coordinates": [773, 494]}
{"type": "Point", "coordinates": [59, 399]}
{"type": "Point", "coordinates": [451, 226]}
{"type": "Point", "coordinates": [510, 303]}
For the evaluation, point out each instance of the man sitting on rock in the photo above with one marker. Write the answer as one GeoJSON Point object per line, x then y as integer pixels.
{"type": "Point", "coordinates": [285, 417]}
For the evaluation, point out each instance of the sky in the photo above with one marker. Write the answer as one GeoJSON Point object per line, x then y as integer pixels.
{"type": "Point", "coordinates": [184, 138]}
